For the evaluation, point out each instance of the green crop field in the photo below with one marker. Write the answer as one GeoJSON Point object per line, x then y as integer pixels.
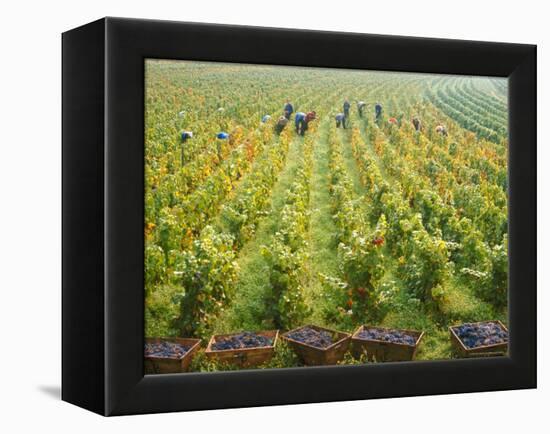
{"type": "Point", "coordinates": [374, 224]}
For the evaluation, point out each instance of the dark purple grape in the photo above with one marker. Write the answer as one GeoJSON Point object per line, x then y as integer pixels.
{"type": "Point", "coordinates": [313, 337]}
{"type": "Point", "coordinates": [482, 334]}
{"type": "Point", "coordinates": [389, 335]}
{"type": "Point", "coordinates": [241, 340]}
{"type": "Point", "coordinates": [170, 350]}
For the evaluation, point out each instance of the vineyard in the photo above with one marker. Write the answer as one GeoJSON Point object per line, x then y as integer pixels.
{"type": "Point", "coordinates": [381, 222]}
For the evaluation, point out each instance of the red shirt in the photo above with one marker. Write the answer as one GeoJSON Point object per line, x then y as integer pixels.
{"type": "Point", "coordinates": [310, 116]}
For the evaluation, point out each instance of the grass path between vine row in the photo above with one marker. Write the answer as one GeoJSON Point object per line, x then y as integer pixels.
{"type": "Point", "coordinates": [322, 245]}
{"type": "Point", "coordinates": [247, 307]}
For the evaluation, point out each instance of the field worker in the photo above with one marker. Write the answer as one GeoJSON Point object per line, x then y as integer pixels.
{"type": "Point", "coordinates": [288, 109]}
{"type": "Point", "coordinates": [185, 135]}
{"type": "Point", "coordinates": [360, 108]}
{"type": "Point", "coordinates": [340, 120]}
{"type": "Point", "coordinates": [347, 106]}
{"type": "Point", "coordinates": [378, 110]}
{"type": "Point", "coordinates": [301, 121]}
{"type": "Point", "coordinates": [441, 130]}
{"type": "Point", "coordinates": [281, 124]}
{"type": "Point", "coordinates": [416, 124]}
{"type": "Point", "coordinates": [393, 121]}
{"type": "Point", "coordinates": [222, 135]}
{"type": "Point", "coordinates": [265, 118]}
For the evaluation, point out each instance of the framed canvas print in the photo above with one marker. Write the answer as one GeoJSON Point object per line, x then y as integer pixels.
{"type": "Point", "coordinates": [257, 216]}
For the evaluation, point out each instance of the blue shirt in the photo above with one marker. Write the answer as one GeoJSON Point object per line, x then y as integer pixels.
{"type": "Point", "coordinates": [289, 108]}
{"type": "Point", "coordinates": [300, 116]}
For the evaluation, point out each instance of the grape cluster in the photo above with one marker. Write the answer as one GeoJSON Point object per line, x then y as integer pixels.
{"type": "Point", "coordinates": [241, 340]}
{"type": "Point", "coordinates": [166, 349]}
{"type": "Point", "coordinates": [310, 336]}
{"type": "Point", "coordinates": [482, 334]}
{"type": "Point", "coordinates": [389, 335]}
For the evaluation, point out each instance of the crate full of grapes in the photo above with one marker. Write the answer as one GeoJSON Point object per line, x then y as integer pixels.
{"type": "Point", "coordinates": [243, 349]}
{"type": "Point", "coordinates": [385, 344]}
{"type": "Point", "coordinates": [318, 345]}
{"type": "Point", "coordinates": [486, 338]}
{"type": "Point", "coordinates": [169, 355]}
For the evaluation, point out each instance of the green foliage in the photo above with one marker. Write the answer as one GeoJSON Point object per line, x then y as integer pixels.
{"type": "Point", "coordinates": [284, 357]}
{"type": "Point", "coordinates": [208, 273]}
{"type": "Point", "coordinates": [490, 280]}
{"type": "Point", "coordinates": [424, 267]}
{"type": "Point", "coordinates": [287, 253]}
{"type": "Point", "coordinates": [363, 266]}
{"type": "Point", "coordinates": [396, 211]}
{"type": "Point", "coordinates": [155, 269]}
{"type": "Point", "coordinates": [490, 124]}
{"type": "Point", "coordinates": [201, 363]}
{"type": "Point", "coordinates": [161, 310]}
{"type": "Point", "coordinates": [349, 359]}
{"type": "Point", "coordinates": [242, 215]}
{"type": "Point", "coordinates": [285, 301]}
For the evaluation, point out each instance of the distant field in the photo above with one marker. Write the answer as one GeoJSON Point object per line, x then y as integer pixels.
{"type": "Point", "coordinates": [374, 224]}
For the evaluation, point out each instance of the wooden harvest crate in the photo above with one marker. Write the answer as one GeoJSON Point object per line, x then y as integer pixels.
{"type": "Point", "coordinates": [483, 351]}
{"type": "Point", "coordinates": [244, 357]}
{"type": "Point", "coordinates": [383, 351]}
{"type": "Point", "coordinates": [166, 365]}
{"type": "Point", "coordinates": [311, 355]}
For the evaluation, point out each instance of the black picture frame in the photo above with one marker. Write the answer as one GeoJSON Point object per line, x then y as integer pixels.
{"type": "Point", "coordinates": [103, 208]}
